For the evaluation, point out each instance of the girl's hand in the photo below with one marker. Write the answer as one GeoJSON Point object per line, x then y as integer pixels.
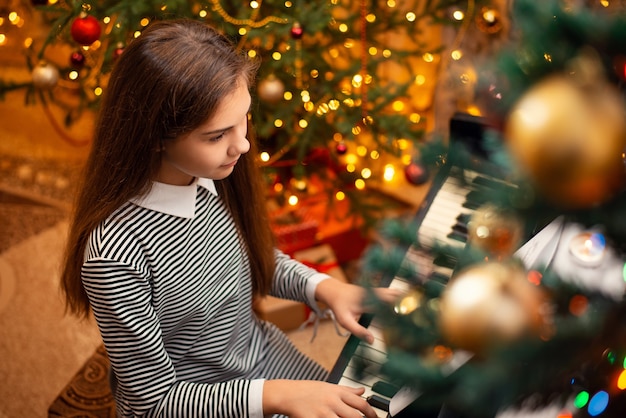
{"type": "Point", "coordinates": [314, 399]}
{"type": "Point", "coordinates": [347, 303]}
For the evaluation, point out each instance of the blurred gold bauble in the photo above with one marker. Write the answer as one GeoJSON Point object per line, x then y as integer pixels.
{"type": "Point", "coordinates": [408, 306]}
{"type": "Point", "coordinates": [495, 230]}
{"type": "Point", "coordinates": [271, 89]}
{"type": "Point", "coordinates": [568, 137]}
{"type": "Point", "coordinates": [488, 20]}
{"type": "Point", "coordinates": [491, 304]}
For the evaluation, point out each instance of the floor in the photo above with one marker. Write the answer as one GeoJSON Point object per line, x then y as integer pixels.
{"type": "Point", "coordinates": [41, 348]}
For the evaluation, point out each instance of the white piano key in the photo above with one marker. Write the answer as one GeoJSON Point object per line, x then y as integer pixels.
{"type": "Point", "coordinates": [444, 271]}
{"type": "Point", "coordinates": [431, 237]}
{"type": "Point", "coordinates": [371, 354]}
{"type": "Point", "coordinates": [346, 381]}
{"type": "Point", "coordinates": [379, 339]}
{"type": "Point", "coordinates": [365, 378]}
{"type": "Point", "coordinates": [400, 284]}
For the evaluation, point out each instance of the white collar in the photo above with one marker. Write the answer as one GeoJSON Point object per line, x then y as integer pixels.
{"type": "Point", "coordinates": [174, 200]}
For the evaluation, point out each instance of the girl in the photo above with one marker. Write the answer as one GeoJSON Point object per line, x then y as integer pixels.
{"type": "Point", "coordinates": [170, 243]}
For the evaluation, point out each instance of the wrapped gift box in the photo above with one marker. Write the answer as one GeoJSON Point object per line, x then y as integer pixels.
{"type": "Point", "coordinates": [313, 223]}
{"type": "Point", "coordinates": [294, 230]}
{"type": "Point", "coordinates": [287, 314]}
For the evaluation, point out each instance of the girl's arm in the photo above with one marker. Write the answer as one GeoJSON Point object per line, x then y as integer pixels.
{"type": "Point", "coordinates": [120, 297]}
{"type": "Point", "coordinates": [296, 281]}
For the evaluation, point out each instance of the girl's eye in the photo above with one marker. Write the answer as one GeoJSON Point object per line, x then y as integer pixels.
{"type": "Point", "coordinates": [217, 138]}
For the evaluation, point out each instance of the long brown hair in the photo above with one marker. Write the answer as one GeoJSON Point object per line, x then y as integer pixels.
{"type": "Point", "coordinates": [166, 83]}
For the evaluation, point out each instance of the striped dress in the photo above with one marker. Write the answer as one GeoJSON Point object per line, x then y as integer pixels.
{"type": "Point", "coordinates": [169, 284]}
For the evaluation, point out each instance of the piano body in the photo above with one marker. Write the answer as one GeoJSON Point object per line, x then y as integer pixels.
{"type": "Point", "coordinates": [442, 218]}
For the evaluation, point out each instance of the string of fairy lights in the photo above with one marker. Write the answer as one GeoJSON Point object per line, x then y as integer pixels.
{"type": "Point", "coordinates": [95, 42]}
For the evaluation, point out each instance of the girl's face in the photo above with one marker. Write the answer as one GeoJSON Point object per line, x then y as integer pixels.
{"type": "Point", "coordinates": [212, 150]}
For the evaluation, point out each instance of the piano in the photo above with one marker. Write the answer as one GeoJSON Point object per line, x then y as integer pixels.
{"type": "Point", "coordinates": [456, 192]}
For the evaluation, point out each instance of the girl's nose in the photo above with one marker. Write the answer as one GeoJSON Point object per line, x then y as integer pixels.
{"type": "Point", "coordinates": [240, 144]}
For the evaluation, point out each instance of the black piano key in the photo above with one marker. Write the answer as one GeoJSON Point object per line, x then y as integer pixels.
{"type": "Point", "coordinates": [460, 228]}
{"type": "Point", "coordinates": [379, 402]}
{"type": "Point", "coordinates": [464, 218]}
{"type": "Point", "coordinates": [439, 277]}
{"type": "Point", "coordinates": [486, 182]}
{"type": "Point", "coordinates": [474, 199]}
{"type": "Point", "coordinates": [385, 388]}
{"type": "Point", "coordinates": [445, 260]}
{"type": "Point", "coordinates": [459, 232]}
{"type": "Point", "coordinates": [458, 236]}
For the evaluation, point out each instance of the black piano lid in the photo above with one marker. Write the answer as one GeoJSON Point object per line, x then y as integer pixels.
{"type": "Point", "coordinates": [469, 130]}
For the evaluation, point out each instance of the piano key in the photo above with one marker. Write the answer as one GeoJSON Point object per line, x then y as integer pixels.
{"type": "Point", "coordinates": [458, 236]}
{"type": "Point", "coordinates": [400, 284]}
{"type": "Point", "coordinates": [379, 339]}
{"type": "Point", "coordinates": [365, 378]}
{"type": "Point", "coordinates": [372, 353]}
{"type": "Point", "coordinates": [415, 262]}
{"type": "Point", "coordinates": [439, 221]}
{"type": "Point", "coordinates": [488, 182]}
{"type": "Point", "coordinates": [455, 201]}
{"type": "Point", "coordinates": [363, 368]}
{"type": "Point", "coordinates": [379, 402]}
{"type": "Point", "coordinates": [345, 381]}
{"type": "Point", "coordinates": [474, 200]}
{"type": "Point", "coordinates": [464, 218]}
{"type": "Point", "coordinates": [445, 260]}
{"type": "Point", "coordinates": [440, 278]}
{"type": "Point", "coordinates": [385, 388]}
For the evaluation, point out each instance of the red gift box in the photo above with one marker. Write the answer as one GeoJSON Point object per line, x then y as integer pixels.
{"type": "Point", "coordinates": [294, 230]}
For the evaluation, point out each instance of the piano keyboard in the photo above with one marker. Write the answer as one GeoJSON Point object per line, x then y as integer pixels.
{"type": "Point", "coordinates": [362, 369]}
{"type": "Point", "coordinates": [447, 216]}
{"type": "Point", "coordinates": [444, 222]}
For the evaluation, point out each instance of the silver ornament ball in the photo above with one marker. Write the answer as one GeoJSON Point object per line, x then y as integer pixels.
{"type": "Point", "coordinates": [45, 76]}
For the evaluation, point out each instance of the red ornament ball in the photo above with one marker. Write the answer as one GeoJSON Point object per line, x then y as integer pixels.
{"type": "Point", "coordinates": [416, 173]}
{"type": "Point", "coordinates": [117, 52]}
{"type": "Point", "coordinates": [297, 31]}
{"type": "Point", "coordinates": [85, 30]}
{"type": "Point", "coordinates": [77, 59]}
{"type": "Point", "coordinates": [341, 148]}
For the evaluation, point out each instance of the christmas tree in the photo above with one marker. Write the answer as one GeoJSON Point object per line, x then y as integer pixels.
{"type": "Point", "coordinates": [532, 317]}
{"type": "Point", "coordinates": [350, 92]}
{"type": "Point", "coordinates": [344, 93]}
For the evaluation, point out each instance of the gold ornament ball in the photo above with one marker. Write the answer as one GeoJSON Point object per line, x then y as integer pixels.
{"type": "Point", "coordinates": [408, 306]}
{"type": "Point", "coordinates": [45, 76]}
{"type": "Point", "coordinates": [489, 20]}
{"type": "Point", "coordinates": [495, 230]}
{"type": "Point", "coordinates": [271, 89]}
{"type": "Point", "coordinates": [569, 138]}
{"type": "Point", "coordinates": [489, 305]}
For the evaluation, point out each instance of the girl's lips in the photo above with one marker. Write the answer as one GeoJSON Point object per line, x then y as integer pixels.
{"type": "Point", "coordinates": [230, 164]}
